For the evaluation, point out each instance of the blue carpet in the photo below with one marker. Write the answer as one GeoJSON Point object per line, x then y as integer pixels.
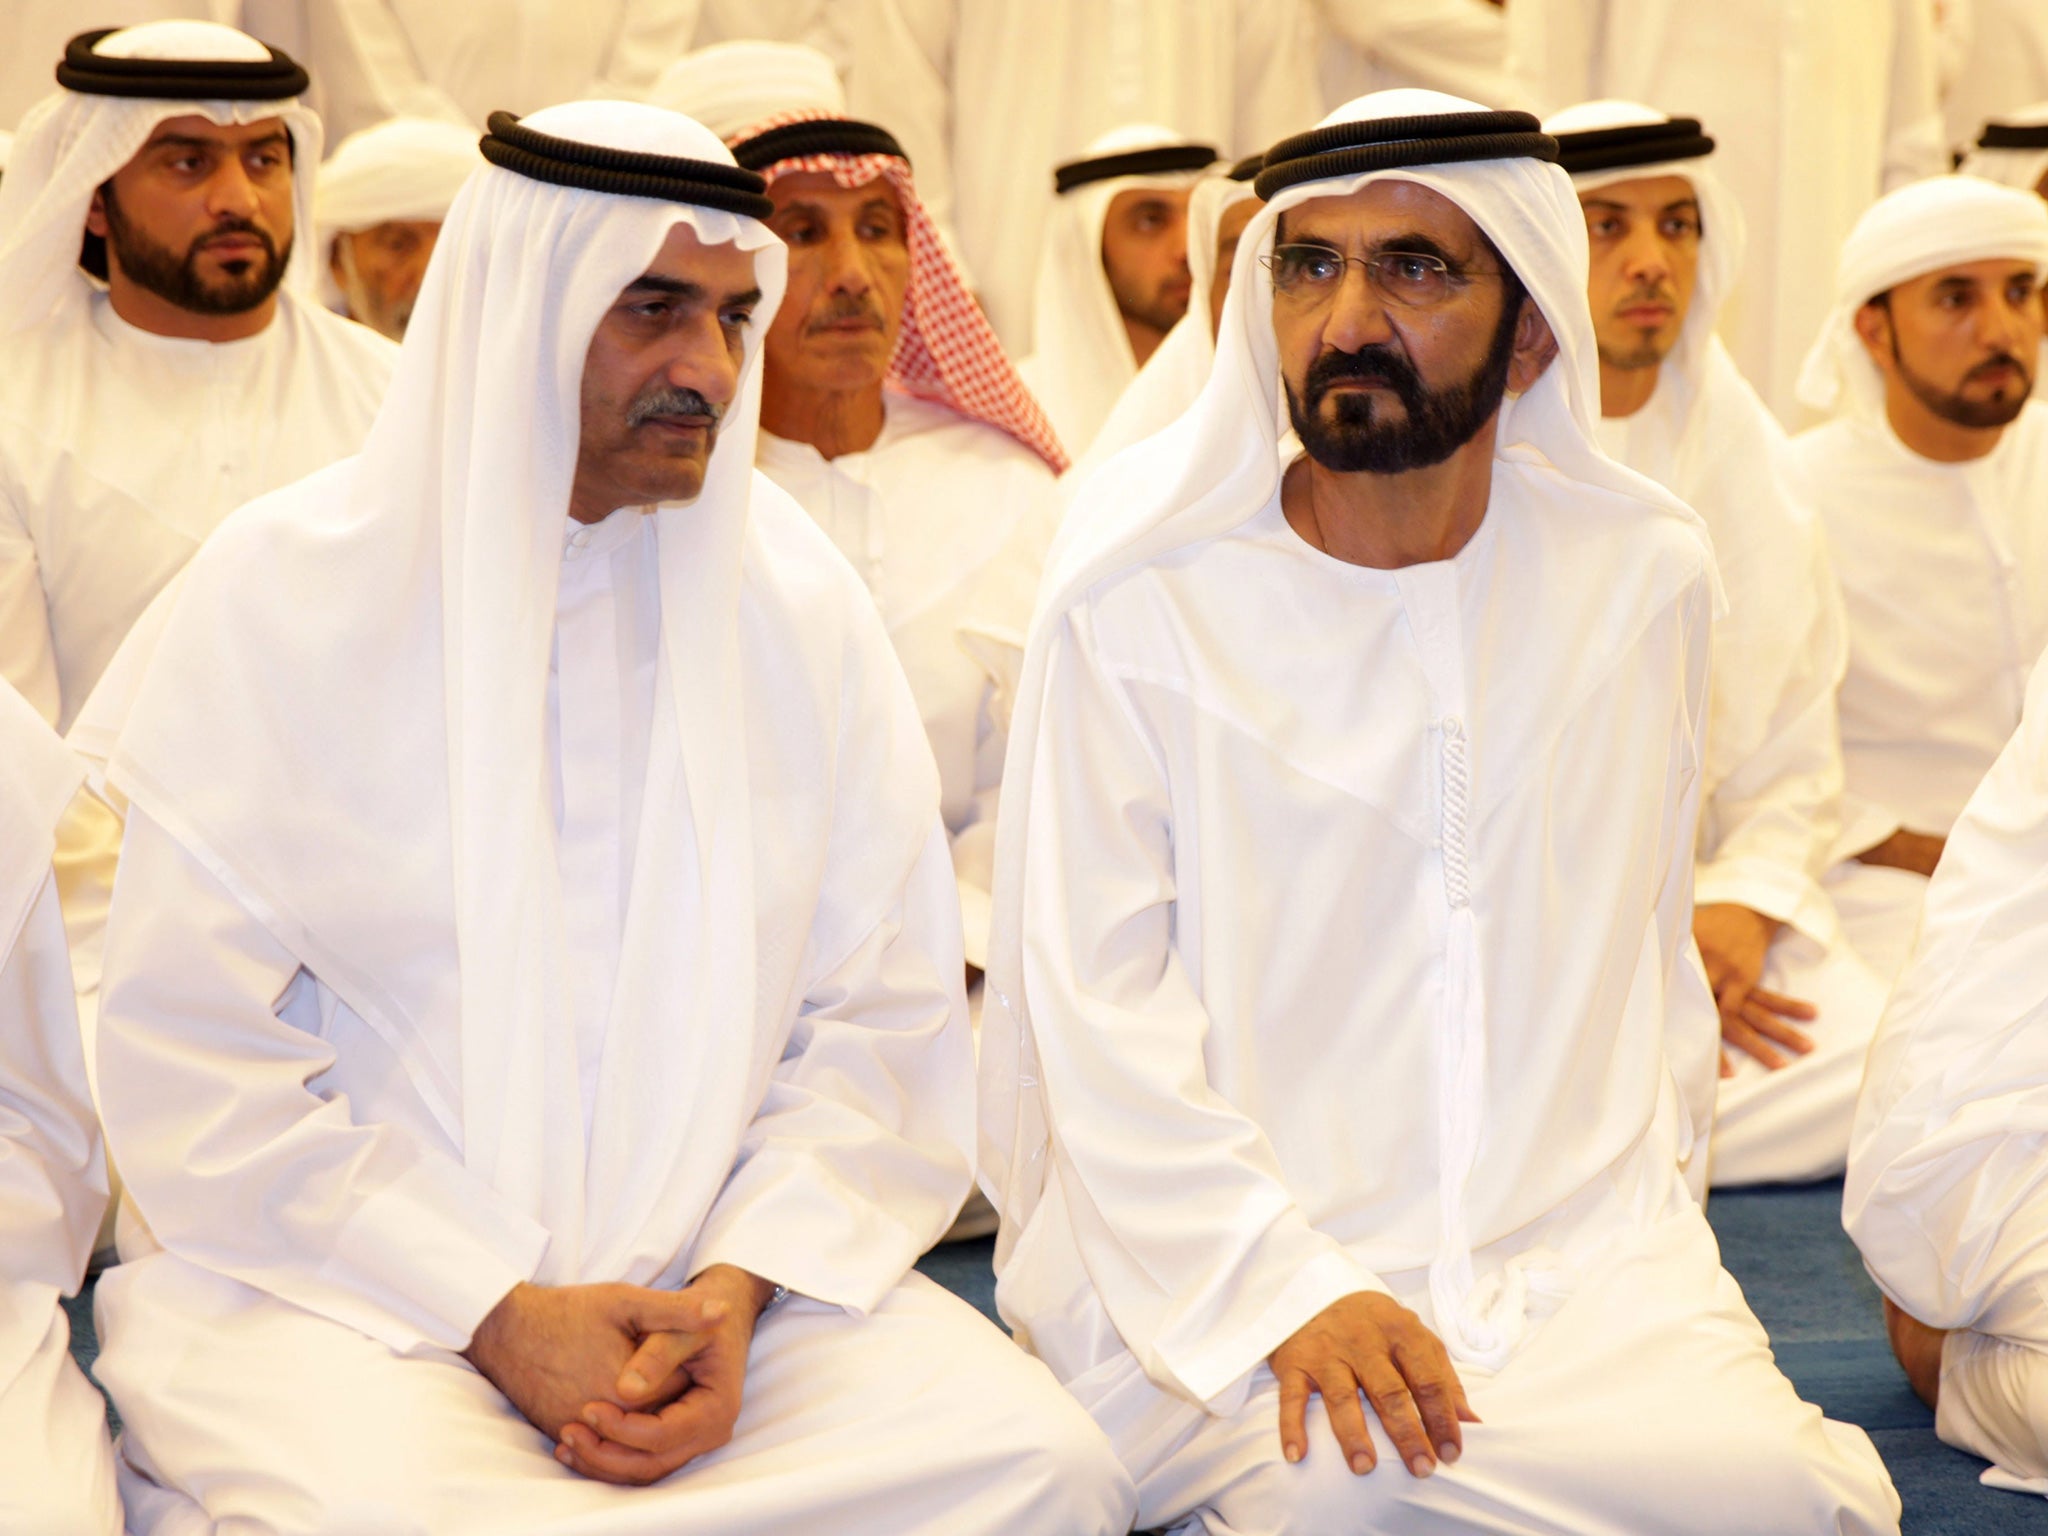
{"type": "Point", "coordinates": [1803, 1278]}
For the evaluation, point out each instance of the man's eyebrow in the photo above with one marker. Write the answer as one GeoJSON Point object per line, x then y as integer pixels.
{"type": "Point", "coordinates": [194, 141]}
{"type": "Point", "coordinates": [1415, 242]}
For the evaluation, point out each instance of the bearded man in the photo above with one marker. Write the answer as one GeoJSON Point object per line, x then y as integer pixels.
{"type": "Point", "coordinates": [572, 973]}
{"type": "Point", "coordinates": [1344, 1071]}
{"type": "Point", "coordinates": [1930, 482]}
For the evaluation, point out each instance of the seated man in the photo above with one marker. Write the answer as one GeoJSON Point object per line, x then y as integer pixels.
{"type": "Point", "coordinates": [535, 905]}
{"type": "Point", "coordinates": [1947, 1194]}
{"type": "Point", "coordinates": [1797, 1004]}
{"type": "Point", "coordinates": [1222, 203]}
{"type": "Point", "coordinates": [1932, 484]}
{"type": "Point", "coordinates": [890, 413]}
{"type": "Point", "coordinates": [56, 1466]}
{"type": "Point", "coordinates": [378, 207]}
{"type": "Point", "coordinates": [1344, 1070]}
{"type": "Point", "coordinates": [1112, 273]}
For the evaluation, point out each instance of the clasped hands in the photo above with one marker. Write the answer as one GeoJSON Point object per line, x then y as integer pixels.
{"type": "Point", "coordinates": [629, 1383]}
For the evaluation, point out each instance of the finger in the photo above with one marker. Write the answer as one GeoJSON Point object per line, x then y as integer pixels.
{"type": "Point", "coordinates": [1778, 1003]}
{"type": "Point", "coordinates": [583, 1452]}
{"type": "Point", "coordinates": [686, 1311]}
{"type": "Point", "coordinates": [1399, 1416]}
{"type": "Point", "coordinates": [1434, 1387]}
{"type": "Point", "coordinates": [1727, 1066]}
{"type": "Point", "coordinates": [1347, 1419]}
{"type": "Point", "coordinates": [632, 1445]}
{"type": "Point", "coordinates": [655, 1364]}
{"type": "Point", "coordinates": [1294, 1391]}
{"type": "Point", "coordinates": [1740, 1034]}
{"type": "Point", "coordinates": [1771, 1027]}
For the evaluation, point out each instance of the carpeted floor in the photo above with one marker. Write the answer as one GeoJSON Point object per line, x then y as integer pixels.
{"type": "Point", "coordinates": [1804, 1280]}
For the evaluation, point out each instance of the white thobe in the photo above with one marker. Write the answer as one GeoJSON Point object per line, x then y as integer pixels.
{"type": "Point", "coordinates": [1035, 81]}
{"type": "Point", "coordinates": [1773, 785]}
{"type": "Point", "coordinates": [1816, 110]}
{"type": "Point", "coordinates": [56, 1466]}
{"type": "Point", "coordinates": [1944, 572]}
{"type": "Point", "coordinates": [375, 59]}
{"type": "Point", "coordinates": [1455, 46]}
{"type": "Point", "coordinates": [121, 450]}
{"type": "Point", "coordinates": [1256, 1029]}
{"type": "Point", "coordinates": [1947, 1194]}
{"type": "Point", "coordinates": [945, 520]}
{"type": "Point", "coordinates": [381, 1251]}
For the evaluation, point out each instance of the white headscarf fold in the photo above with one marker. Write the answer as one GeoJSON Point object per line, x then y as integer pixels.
{"type": "Point", "coordinates": [1205, 475]}
{"type": "Point", "coordinates": [370, 776]}
{"type": "Point", "coordinates": [1081, 357]}
{"type": "Point", "coordinates": [70, 142]}
{"type": "Point", "coordinates": [1944, 221]}
{"type": "Point", "coordinates": [2021, 169]}
{"type": "Point", "coordinates": [732, 86]}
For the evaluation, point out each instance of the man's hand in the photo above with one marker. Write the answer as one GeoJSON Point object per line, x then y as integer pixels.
{"type": "Point", "coordinates": [631, 1432]}
{"type": "Point", "coordinates": [1370, 1343]}
{"type": "Point", "coordinates": [550, 1349]}
{"type": "Point", "coordinates": [1917, 851]}
{"type": "Point", "coordinates": [1734, 942]}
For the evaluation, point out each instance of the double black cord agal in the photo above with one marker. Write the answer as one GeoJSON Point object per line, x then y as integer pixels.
{"type": "Point", "coordinates": [816, 136]}
{"type": "Point", "coordinates": [1390, 143]}
{"type": "Point", "coordinates": [1614, 149]}
{"type": "Point", "coordinates": [1133, 162]}
{"type": "Point", "coordinates": [537, 156]}
{"type": "Point", "coordinates": [97, 74]}
{"type": "Point", "coordinates": [2014, 136]}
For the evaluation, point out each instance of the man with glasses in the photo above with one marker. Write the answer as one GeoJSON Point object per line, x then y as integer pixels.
{"type": "Point", "coordinates": [1343, 1072]}
{"type": "Point", "coordinates": [1797, 1003]}
{"type": "Point", "coordinates": [1930, 481]}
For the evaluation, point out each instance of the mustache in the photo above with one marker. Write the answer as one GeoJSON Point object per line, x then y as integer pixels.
{"type": "Point", "coordinates": [1653, 293]}
{"type": "Point", "coordinates": [238, 228]}
{"type": "Point", "coordinates": [1376, 363]}
{"type": "Point", "coordinates": [668, 401]}
{"type": "Point", "coordinates": [2001, 360]}
{"type": "Point", "coordinates": [847, 306]}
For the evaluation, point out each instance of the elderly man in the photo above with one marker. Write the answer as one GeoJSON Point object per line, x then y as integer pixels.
{"type": "Point", "coordinates": [378, 206]}
{"type": "Point", "coordinates": [56, 1467]}
{"type": "Point", "coordinates": [890, 413]}
{"type": "Point", "coordinates": [1946, 1195]}
{"type": "Point", "coordinates": [1929, 481]}
{"type": "Point", "coordinates": [1797, 1004]}
{"type": "Point", "coordinates": [1219, 208]}
{"type": "Point", "coordinates": [1345, 1069]}
{"type": "Point", "coordinates": [1112, 273]}
{"type": "Point", "coordinates": [595, 1044]}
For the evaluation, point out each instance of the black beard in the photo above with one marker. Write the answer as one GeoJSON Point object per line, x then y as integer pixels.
{"type": "Point", "coordinates": [1976, 415]}
{"type": "Point", "coordinates": [1438, 422]}
{"type": "Point", "coordinates": [176, 279]}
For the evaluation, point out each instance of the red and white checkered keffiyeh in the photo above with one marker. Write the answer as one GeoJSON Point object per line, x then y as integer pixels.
{"type": "Point", "coordinates": [946, 352]}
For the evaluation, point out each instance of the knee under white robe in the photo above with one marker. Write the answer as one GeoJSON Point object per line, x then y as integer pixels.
{"type": "Point", "coordinates": [1273, 833]}
{"type": "Point", "coordinates": [945, 520]}
{"type": "Point", "coordinates": [1947, 1193]}
{"type": "Point", "coordinates": [56, 1466]}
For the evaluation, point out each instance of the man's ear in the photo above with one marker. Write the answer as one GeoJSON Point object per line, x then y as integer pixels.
{"type": "Point", "coordinates": [1874, 330]}
{"type": "Point", "coordinates": [96, 213]}
{"type": "Point", "coordinates": [1535, 347]}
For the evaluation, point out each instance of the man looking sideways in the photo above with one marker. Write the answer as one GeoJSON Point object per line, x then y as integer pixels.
{"type": "Point", "coordinates": [572, 974]}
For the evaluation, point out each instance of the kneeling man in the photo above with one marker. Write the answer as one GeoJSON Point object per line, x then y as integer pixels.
{"type": "Point", "coordinates": [1344, 1071]}
{"type": "Point", "coordinates": [1797, 1002]}
{"type": "Point", "coordinates": [533, 1006]}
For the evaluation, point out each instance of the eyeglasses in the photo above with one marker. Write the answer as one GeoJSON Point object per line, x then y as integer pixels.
{"type": "Point", "coordinates": [1411, 279]}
